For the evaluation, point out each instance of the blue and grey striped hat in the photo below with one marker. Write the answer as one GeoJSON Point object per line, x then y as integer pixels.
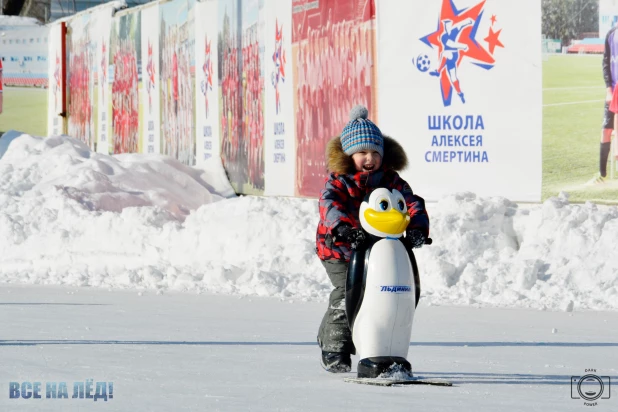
{"type": "Point", "coordinates": [361, 133]}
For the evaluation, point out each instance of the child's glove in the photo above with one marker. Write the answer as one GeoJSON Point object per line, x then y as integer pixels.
{"type": "Point", "coordinates": [355, 237]}
{"type": "Point", "coordinates": [415, 238]}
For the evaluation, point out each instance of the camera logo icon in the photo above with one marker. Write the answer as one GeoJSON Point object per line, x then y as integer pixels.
{"type": "Point", "coordinates": [590, 387]}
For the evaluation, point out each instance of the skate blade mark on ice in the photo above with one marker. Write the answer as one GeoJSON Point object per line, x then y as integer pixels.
{"type": "Point", "coordinates": [398, 382]}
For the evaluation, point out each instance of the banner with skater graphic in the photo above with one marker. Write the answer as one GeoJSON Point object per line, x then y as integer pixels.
{"type": "Point", "coordinates": [81, 47]}
{"type": "Point", "coordinates": [470, 121]}
{"type": "Point", "coordinates": [55, 120]}
{"type": "Point", "coordinates": [207, 90]}
{"type": "Point", "coordinates": [177, 74]}
{"type": "Point", "coordinates": [333, 42]}
{"type": "Point", "coordinates": [101, 63]}
{"type": "Point", "coordinates": [125, 58]}
{"type": "Point", "coordinates": [151, 82]}
{"type": "Point", "coordinates": [279, 142]}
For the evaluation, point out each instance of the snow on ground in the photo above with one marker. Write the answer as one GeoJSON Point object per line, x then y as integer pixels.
{"type": "Point", "coordinates": [189, 352]}
{"type": "Point", "coordinates": [69, 216]}
{"type": "Point", "coordinates": [9, 22]}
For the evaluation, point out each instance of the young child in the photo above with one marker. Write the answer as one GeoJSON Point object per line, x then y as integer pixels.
{"type": "Point", "coordinates": [361, 160]}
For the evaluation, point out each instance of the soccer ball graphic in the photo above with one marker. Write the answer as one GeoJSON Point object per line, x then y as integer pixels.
{"type": "Point", "coordinates": [422, 63]}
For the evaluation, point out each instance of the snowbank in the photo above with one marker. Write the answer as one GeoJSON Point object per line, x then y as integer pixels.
{"type": "Point", "coordinates": [9, 22]}
{"type": "Point", "coordinates": [70, 216]}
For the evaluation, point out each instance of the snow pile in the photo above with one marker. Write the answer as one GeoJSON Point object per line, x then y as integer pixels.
{"type": "Point", "coordinates": [551, 256]}
{"type": "Point", "coordinates": [9, 22]}
{"type": "Point", "coordinates": [36, 169]}
{"type": "Point", "coordinates": [70, 216]}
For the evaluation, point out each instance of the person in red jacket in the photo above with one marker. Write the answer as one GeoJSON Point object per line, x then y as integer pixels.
{"type": "Point", "coordinates": [360, 160]}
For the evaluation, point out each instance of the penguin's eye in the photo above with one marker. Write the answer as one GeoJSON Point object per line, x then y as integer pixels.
{"type": "Point", "coordinates": [401, 205]}
{"type": "Point", "coordinates": [383, 204]}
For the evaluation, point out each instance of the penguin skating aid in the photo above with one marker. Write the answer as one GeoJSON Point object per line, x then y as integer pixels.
{"type": "Point", "coordinates": [382, 292]}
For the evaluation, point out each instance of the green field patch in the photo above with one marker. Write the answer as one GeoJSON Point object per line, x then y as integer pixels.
{"type": "Point", "coordinates": [24, 109]}
{"type": "Point", "coordinates": [572, 128]}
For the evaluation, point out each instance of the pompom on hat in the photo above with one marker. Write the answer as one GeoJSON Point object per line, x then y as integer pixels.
{"type": "Point", "coordinates": [361, 133]}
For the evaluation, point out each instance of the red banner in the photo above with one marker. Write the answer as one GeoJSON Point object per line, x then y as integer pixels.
{"type": "Point", "coordinates": [333, 44]}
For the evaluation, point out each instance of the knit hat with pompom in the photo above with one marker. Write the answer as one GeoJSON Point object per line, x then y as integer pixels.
{"type": "Point", "coordinates": [361, 133]}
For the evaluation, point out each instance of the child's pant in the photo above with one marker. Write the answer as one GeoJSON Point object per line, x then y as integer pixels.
{"type": "Point", "coordinates": [334, 334]}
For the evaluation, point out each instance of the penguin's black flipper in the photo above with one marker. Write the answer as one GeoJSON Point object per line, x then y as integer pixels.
{"type": "Point", "coordinates": [355, 282]}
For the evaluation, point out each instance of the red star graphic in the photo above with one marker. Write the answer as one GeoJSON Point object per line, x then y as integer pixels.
{"type": "Point", "coordinates": [493, 19]}
{"type": "Point", "coordinates": [460, 42]}
{"type": "Point", "coordinates": [492, 40]}
{"type": "Point", "coordinates": [475, 50]}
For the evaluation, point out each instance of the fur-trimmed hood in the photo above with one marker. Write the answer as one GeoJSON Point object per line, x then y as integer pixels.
{"type": "Point", "coordinates": [395, 157]}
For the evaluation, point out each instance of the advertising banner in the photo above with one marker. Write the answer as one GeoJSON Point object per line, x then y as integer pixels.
{"type": "Point", "coordinates": [241, 77]}
{"type": "Point", "coordinates": [251, 162]}
{"type": "Point", "coordinates": [151, 82]}
{"type": "Point", "coordinates": [126, 61]}
{"type": "Point", "coordinates": [463, 94]}
{"type": "Point", "coordinates": [334, 72]}
{"type": "Point", "coordinates": [177, 76]}
{"type": "Point", "coordinates": [230, 90]}
{"type": "Point", "coordinates": [81, 49]}
{"type": "Point", "coordinates": [103, 19]}
{"type": "Point", "coordinates": [279, 142]}
{"type": "Point", "coordinates": [207, 78]}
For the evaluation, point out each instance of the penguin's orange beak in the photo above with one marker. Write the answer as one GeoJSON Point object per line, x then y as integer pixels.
{"type": "Point", "coordinates": [392, 222]}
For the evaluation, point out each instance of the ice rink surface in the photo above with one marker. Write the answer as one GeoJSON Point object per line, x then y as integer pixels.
{"type": "Point", "coordinates": [189, 352]}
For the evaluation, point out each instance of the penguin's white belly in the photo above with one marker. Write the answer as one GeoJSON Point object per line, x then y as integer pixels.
{"type": "Point", "coordinates": [384, 322]}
